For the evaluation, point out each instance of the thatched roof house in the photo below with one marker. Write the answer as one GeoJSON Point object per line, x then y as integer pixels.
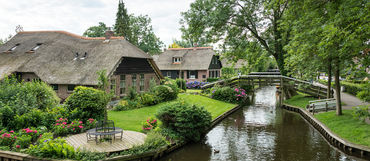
{"type": "Point", "coordinates": [197, 63]}
{"type": "Point", "coordinates": [62, 58]}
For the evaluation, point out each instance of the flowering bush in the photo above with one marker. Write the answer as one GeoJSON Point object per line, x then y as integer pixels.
{"type": "Point", "coordinates": [63, 128]}
{"type": "Point", "coordinates": [7, 138]}
{"type": "Point", "coordinates": [195, 85]}
{"type": "Point", "coordinates": [149, 124]}
{"type": "Point", "coordinates": [228, 94]}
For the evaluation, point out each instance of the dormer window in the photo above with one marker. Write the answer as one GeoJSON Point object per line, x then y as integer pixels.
{"type": "Point", "coordinates": [13, 48]}
{"type": "Point", "coordinates": [36, 47]}
{"type": "Point", "coordinates": [176, 60]}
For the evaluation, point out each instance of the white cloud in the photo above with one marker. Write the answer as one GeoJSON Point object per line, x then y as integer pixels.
{"type": "Point", "coordinates": [77, 15]}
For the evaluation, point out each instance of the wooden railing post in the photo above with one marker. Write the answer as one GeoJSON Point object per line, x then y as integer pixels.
{"type": "Point", "coordinates": [326, 106]}
{"type": "Point", "coordinates": [313, 109]}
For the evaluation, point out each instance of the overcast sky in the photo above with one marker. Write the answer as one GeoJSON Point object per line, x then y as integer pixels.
{"type": "Point", "coordinates": [77, 15]}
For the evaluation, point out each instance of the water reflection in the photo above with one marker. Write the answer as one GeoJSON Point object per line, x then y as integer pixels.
{"type": "Point", "coordinates": [260, 132]}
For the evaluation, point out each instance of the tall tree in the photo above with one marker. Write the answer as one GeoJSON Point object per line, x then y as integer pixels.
{"type": "Point", "coordinates": [236, 23]}
{"type": "Point", "coordinates": [122, 26]}
{"type": "Point", "coordinates": [96, 31]}
{"type": "Point", "coordinates": [329, 33]}
{"type": "Point", "coordinates": [143, 36]}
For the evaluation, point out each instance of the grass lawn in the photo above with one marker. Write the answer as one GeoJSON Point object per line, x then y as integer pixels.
{"type": "Point", "coordinates": [193, 90]}
{"type": "Point", "coordinates": [132, 119]}
{"type": "Point", "coordinates": [300, 100]}
{"type": "Point", "coordinates": [346, 126]}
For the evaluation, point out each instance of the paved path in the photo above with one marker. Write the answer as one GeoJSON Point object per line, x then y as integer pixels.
{"type": "Point", "coordinates": [349, 100]}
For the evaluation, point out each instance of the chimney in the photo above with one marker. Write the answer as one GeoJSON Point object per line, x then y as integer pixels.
{"type": "Point", "coordinates": [109, 33]}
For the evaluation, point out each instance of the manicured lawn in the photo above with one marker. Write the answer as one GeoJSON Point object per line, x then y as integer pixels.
{"type": "Point", "coordinates": [215, 107]}
{"type": "Point", "coordinates": [132, 119]}
{"type": "Point", "coordinates": [300, 100]}
{"type": "Point", "coordinates": [346, 126]}
{"type": "Point", "coordinates": [193, 90]}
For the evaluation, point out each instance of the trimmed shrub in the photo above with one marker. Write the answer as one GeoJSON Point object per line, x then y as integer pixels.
{"type": "Point", "coordinates": [365, 93]}
{"type": "Point", "coordinates": [148, 99]}
{"type": "Point", "coordinates": [125, 105]}
{"type": "Point", "coordinates": [153, 141]}
{"type": "Point", "coordinates": [165, 93]}
{"type": "Point", "coordinates": [212, 79]}
{"type": "Point", "coordinates": [361, 112]}
{"type": "Point", "coordinates": [24, 96]}
{"type": "Point", "coordinates": [181, 83]}
{"type": "Point", "coordinates": [188, 121]}
{"type": "Point", "coordinates": [86, 102]}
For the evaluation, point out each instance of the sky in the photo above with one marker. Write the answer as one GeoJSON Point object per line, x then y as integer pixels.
{"type": "Point", "coordinates": [76, 16]}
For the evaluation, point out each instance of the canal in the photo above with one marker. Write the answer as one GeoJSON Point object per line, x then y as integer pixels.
{"type": "Point", "coordinates": [261, 131]}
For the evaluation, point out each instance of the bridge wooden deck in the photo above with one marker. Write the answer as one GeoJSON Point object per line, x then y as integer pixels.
{"type": "Point", "coordinates": [264, 79]}
{"type": "Point", "coordinates": [129, 139]}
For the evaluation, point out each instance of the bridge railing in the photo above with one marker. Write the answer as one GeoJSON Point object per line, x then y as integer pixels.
{"type": "Point", "coordinates": [277, 80]}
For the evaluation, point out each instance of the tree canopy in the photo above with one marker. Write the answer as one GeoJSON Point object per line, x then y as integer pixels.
{"type": "Point", "coordinates": [143, 36]}
{"type": "Point", "coordinates": [240, 26]}
{"type": "Point", "coordinates": [122, 26]}
{"type": "Point", "coordinates": [96, 31]}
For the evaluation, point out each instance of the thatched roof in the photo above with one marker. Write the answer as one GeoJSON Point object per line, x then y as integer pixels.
{"type": "Point", "coordinates": [197, 58]}
{"type": "Point", "coordinates": [54, 61]}
{"type": "Point", "coordinates": [236, 65]}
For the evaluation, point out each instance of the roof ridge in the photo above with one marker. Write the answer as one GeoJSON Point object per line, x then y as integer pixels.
{"type": "Point", "coordinates": [71, 34]}
{"type": "Point", "coordinates": [192, 48]}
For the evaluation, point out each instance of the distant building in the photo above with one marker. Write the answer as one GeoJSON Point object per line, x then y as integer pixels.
{"type": "Point", "coordinates": [65, 60]}
{"type": "Point", "coordinates": [237, 66]}
{"type": "Point", "coordinates": [191, 64]}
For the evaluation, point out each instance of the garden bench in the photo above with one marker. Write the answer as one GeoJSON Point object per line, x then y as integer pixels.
{"type": "Point", "coordinates": [321, 105]}
{"type": "Point", "coordinates": [104, 129]}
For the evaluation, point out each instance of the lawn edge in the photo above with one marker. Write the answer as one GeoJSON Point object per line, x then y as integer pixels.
{"type": "Point", "coordinates": [342, 144]}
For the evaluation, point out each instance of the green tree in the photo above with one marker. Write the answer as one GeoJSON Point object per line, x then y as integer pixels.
{"type": "Point", "coordinates": [329, 32]}
{"type": "Point", "coordinates": [122, 26]}
{"type": "Point", "coordinates": [143, 36]}
{"type": "Point", "coordinates": [236, 24]}
{"type": "Point", "coordinates": [96, 31]}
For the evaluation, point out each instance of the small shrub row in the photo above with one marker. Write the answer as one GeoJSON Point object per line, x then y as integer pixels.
{"type": "Point", "coordinates": [160, 93]}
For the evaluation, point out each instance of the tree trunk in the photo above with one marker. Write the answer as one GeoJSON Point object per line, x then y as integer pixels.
{"type": "Point", "coordinates": [337, 88]}
{"type": "Point", "coordinates": [329, 79]}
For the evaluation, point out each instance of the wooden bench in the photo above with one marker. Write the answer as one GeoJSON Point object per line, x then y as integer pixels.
{"type": "Point", "coordinates": [321, 105]}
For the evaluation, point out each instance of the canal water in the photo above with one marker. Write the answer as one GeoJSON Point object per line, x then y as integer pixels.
{"type": "Point", "coordinates": [261, 132]}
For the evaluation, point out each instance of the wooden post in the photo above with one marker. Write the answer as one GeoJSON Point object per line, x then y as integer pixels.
{"type": "Point", "coordinates": [259, 82]}
{"type": "Point", "coordinates": [326, 106]}
{"type": "Point", "coordinates": [313, 109]}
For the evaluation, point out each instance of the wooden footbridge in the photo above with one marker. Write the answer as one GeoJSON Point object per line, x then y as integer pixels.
{"type": "Point", "coordinates": [260, 79]}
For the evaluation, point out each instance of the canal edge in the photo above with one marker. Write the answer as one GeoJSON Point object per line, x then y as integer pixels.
{"type": "Point", "coordinates": [332, 138]}
{"type": "Point", "coordinates": [155, 155]}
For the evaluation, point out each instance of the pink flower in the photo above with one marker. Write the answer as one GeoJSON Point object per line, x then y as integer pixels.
{"type": "Point", "coordinates": [80, 122]}
{"type": "Point", "coordinates": [65, 123]}
{"type": "Point", "coordinates": [57, 124]}
{"type": "Point", "coordinates": [17, 146]}
{"type": "Point", "coordinates": [72, 123]}
{"type": "Point", "coordinates": [40, 136]}
{"type": "Point", "coordinates": [80, 127]}
{"type": "Point", "coordinates": [35, 131]}
{"type": "Point", "coordinates": [63, 126]}
{"type": "Point", "coordinates": [11, 131]}
{"type": "Point", "coordinates": [73, 129]}
{"type": "Point", "coordinates": [60, 118]}
{"type": "Point", "coordinates": [15, 137]}
{"type": "Point", "coordinates": [30, 131]}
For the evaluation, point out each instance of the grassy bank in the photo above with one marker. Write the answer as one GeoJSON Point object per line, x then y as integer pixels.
{"type": "Point", "coordinates": [132, 119]}
{"type": "Point", "coordinates": [346, 126]}
{"type": "Point", "coordinates": [300, 100]}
